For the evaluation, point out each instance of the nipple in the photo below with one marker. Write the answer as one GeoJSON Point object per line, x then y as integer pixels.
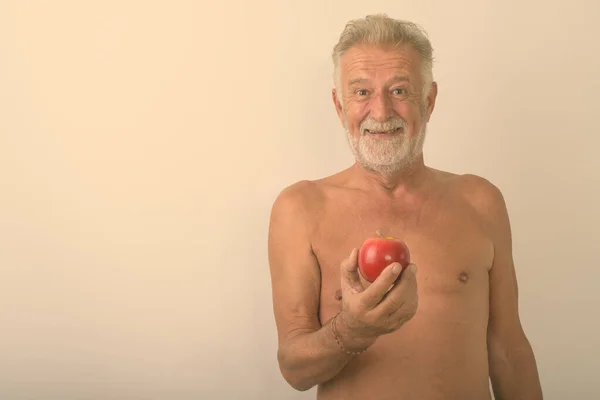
{"type": "Point", "coordinates": [463, 277]}
{"type": "Point", "coordinates": [338, 294]}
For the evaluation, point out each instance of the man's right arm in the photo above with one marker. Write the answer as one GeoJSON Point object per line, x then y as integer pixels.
{"type": "Point", "coordinates": [308, 353]}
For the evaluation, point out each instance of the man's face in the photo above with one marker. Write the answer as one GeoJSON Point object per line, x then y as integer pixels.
{"type": "Point", "coordinates": [383, 111]}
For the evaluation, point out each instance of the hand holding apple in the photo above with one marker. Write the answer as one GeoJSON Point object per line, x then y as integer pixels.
{"type": "Point", "coordinates": [379, 308]}
{"type": "Point", "coordinates": [377, 253]}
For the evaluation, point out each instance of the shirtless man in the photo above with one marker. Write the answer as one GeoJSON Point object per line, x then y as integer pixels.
{"type": "Point", "coordinates": [450, 322]}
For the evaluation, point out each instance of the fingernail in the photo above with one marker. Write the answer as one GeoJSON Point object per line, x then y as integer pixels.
{"type": "Point", "coordinates": [396, 269]}
{"type": "Point", "coordinates": [413, 268]}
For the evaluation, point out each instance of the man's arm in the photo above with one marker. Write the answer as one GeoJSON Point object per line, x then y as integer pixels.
{"type": "Point", "coordinates": [513, 369]}
{"type": "Point", "coordinates": [308, 353]}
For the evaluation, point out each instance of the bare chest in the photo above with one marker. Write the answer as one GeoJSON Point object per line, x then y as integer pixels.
{"type": "Point", "coordinates": [452, 253]}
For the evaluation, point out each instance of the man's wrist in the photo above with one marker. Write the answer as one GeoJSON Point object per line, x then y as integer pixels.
{"type": "Point", "coordinates": [346, 338]}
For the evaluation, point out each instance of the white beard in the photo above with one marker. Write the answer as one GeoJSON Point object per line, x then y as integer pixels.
{"type": "Point", "coordinates": [388, 155]}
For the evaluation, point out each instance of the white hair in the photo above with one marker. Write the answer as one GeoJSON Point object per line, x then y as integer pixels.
{"type": "Point", "coordinates": [381, 30]}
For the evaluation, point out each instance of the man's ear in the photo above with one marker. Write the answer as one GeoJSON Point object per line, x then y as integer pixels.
{"type": "Point", "coordinates": [431, 97]}
{"type": "Point", "coordinates": [338, 105]}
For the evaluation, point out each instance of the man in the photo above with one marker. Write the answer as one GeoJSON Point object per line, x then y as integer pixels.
{"type": "Point", "coordinates": [436, 330]}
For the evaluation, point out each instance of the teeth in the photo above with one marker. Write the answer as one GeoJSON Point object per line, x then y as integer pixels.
{"type": "Point", "coordinates": [382, 132]}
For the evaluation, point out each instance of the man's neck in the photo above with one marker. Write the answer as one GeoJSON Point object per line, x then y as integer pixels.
{"type": "Point", "coordinates": [398, 183]}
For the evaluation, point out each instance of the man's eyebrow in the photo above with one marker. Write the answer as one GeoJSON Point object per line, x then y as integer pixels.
{"type": "Point", "coordinates": [396, 78]}
{"type": "Point", "coordinates": [400, 78]}
{"type": "Point", "coordinates": [356, 80]}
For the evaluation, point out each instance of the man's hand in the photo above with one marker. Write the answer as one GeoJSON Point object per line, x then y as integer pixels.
{"type": "Point", "coordinates": [380, 308]}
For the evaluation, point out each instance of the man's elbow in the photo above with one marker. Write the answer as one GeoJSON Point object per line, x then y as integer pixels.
{"type": "Point", "coordinates": [296, 382]}
{"type": "Point", "coordinates": [509, 350]}
{"type": "Point", "coordinates": [290, 374]}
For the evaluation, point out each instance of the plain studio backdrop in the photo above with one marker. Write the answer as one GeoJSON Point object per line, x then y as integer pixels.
{"type": "Point", "coordinates": [142, 145]}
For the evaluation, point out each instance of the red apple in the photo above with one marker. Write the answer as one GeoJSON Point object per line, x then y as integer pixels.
{"type": "Point", "coordinates": [375, 254]}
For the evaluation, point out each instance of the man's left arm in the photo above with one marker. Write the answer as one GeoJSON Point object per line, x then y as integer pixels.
{"type": "Point", "coordinates": [513, 370]}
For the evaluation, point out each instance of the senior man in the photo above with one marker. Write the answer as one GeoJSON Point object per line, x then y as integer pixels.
{"type": "Point", "coordinates": [439, 329]}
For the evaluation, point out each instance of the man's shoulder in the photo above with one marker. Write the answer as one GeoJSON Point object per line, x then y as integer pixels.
{"type": "Point", "coordinates": [485, 197]}
{"type": "Point", "coordinates": [476, 185]}
{"type": "Point", "coordinates": [298, 198]}
{"type": "Point", "coordinates": [302, 190]}
{"type": "Point", "coordinates": [476, 190]}
{"type": "Point", "coordinates": [309, 192]}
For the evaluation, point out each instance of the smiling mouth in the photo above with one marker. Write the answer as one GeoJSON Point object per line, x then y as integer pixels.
{"type": "Point", "coordinates": [388, 132]}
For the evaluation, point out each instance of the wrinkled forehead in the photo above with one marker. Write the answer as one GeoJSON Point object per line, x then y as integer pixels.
{"type": "Point", "coordinates": [368, 62]}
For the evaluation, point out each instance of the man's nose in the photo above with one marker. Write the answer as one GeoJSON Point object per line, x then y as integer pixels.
{"type": "Point", "coordinates": [381, 107]}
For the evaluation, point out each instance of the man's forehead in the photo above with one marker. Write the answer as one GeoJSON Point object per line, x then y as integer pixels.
{"type": "Point", "coordinates": [398, 62]}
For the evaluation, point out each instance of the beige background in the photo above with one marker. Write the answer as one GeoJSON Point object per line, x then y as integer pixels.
{"type": "Point", "coordinates": [142, 144]}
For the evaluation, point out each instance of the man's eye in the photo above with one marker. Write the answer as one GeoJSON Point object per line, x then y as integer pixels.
{"type": "Point", "coordinates": [400, 91]}
{"type": "Point", "coordinates": [361, 92]}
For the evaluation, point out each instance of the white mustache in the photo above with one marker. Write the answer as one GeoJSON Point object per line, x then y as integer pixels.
{"type": "Point", "coordinates": [389, 125]}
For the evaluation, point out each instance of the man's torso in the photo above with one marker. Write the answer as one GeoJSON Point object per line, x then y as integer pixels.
{"type": "Point", "coordinates": [441, 353]}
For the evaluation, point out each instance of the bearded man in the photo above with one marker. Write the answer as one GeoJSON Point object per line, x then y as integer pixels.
{"type": "Point", "coordinates": [445, 326]}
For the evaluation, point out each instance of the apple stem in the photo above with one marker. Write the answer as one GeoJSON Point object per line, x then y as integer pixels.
{"type": "Point", "coordinates": [379, 234]}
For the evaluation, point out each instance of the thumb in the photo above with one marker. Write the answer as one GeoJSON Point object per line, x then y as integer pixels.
{"type": "Point", "coordinates": [408, 275]}
{"type": "Point", "coordinates": [349, 272]}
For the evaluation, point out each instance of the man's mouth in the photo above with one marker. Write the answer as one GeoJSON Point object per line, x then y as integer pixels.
{"type": "Point", "coordinates": [388, 132]}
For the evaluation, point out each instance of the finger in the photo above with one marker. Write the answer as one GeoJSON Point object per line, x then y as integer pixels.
{"type": "Point", "coordinates": [349, 271]}
{"type": "Point", "coordinates": [404, 313]}
{"type": "Point", "coordinates": [403, 291]}
{"type": "Point", "coordinates": [377, 290]}
{"type": "Point", "coordinates": [408, 305]}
